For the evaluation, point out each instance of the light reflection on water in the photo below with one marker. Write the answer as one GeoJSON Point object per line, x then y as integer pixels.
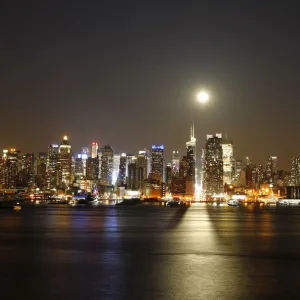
{"type": "Point", "coordinates": [208, 252]}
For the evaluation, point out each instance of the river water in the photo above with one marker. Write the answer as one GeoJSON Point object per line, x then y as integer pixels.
{"type": "Point", "coordinates": [200, 252]}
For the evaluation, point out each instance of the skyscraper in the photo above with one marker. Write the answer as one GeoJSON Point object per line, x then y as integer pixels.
{"type": "Point", "coordinates": [295, 171]}
{"type": "Point", "coordinates": [175, 163]}
{"type": "Point", "coordinates": [94, 150]}
{"type": "Point", "coordinates": [227, 149]}
{"type": "Point", "coordinates": [79, 170]}
{"type": "Point", "coordinates": [258, 175]}
{"type": "Point", "coordinates": [202, 170]}
{"type": "Point", "coordinates": [142, 168]}
{"type": "Point", "coordinates": [122, 170]}
{"type": "Point", "coordinates": [191, 154]}
{"type": "Point", "coordinates": [213, 178]}
{"type": "Point", "coordinates": [52, 165]}
{"type": "Point", "coordinates": [132, 174]}
{"type": "Point", "coordinates": [168, 176]}
{"type": "Point", "coordinates": [116, 166]}
{"type": "Point", "coordinates": [183, 167]}
{"type": "Point", "coordinates": [271, 168]}
{"type": "Point", "coordinates": [92, 168]}
{"type": "Point", "coordinates": [64, 164]}
{"type": "Point", "coordinates": [26, 174]}
{"type": "Point", "coordinates": [157, 161]}
{"type": "Point", "coordinates": [41, 170]}
{"type": "Point", "coordinates": [11, 166]}
{"type": "Point", "coordinates": [100, 151]}
{"type": "Point", "coordinates": [107, 160]}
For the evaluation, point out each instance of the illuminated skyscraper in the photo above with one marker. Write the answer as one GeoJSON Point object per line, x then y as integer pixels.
{"type": "Point", "coordinates": [227, 149]}
{"type": "Point", "coordinates": [41, 170]}
{"type": "Point", "coordinates": [191, 154]}
{"type": "Point", "coordinates": [94, 150]}
{"type": "Point", "coordinates": [52, 165]}
{"type": "Point", "coordinates": [202, 169]}
{"type": "Point", "coordinates": [92, 168]}
{"type": "Point", "coordinates": [107, 161]}
{"type": "Point", "coordinates": [132, 176]}
{"type": "Point", "coordinates": [168, 176]}
{"type": "Point", "coordinates": [258, 176]}
{"type": "Point", "coordinates": [184, 167]}
{"type": "Point", "coordinates": [271, 168]}
{"type": "Point", "coordinates": [85, 154]}
{"type": "Point", "coordinates": [157, 161]}
{"type": "Point", "coordinates": [100, 151]}
{"type": "Point", "coordinates": [175, 163]}
{"type": "Point", "coordinates": [295, 171]}
{"type": "Point", "coordinates": [26, 174]}
{"type": "Point", "coordinates": [116, 167]}
{"type": "Point", "coordinates": [64, 164]}
{"type": "Point", "coordinates": [142, 168]}
{"type": "Point", "coordinates": [79, 170]}
{"type": "Point", "coordinates": [11, 166]}
{"type": "Point", "coordinates": [213, 174]}
{"type": "Point", "coordinates": [122, 170]}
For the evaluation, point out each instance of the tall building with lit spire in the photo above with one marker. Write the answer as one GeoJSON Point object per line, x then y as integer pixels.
{"type": "Point", "coordinates": [64, 163]}
{"type": "Point", "coordinates": [191, 154]}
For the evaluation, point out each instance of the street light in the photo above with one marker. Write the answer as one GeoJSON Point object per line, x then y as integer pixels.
{"type": "Point", "coordinates": [203, 96]}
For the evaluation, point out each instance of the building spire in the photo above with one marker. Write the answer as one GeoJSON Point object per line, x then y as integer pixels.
{"type": "Point", "coordinates": [192, 131]}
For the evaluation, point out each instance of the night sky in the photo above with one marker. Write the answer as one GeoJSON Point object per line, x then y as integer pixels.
{"type": "Point", "coordinates": [125, 73]}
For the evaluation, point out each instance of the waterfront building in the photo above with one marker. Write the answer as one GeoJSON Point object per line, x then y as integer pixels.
{"type": "Point", "coordinates": [122, 170]}
{"type": "Point", "coordinates": [202, 169]}
{"type": "Point", "coordinates": [10, 168]}
{"type": "Point", "coordinates": [191, 154]}
{"type": "Point", "coordinates": [132, 173]}
{"type": "Point", "coordinates": [295, 171]}
{"type": "Point", "coordinates": [52, 165]}
{"type": "Point", "coordinates": [142, 167]}
{"type": "Point", "coordinates": [168, 176]}
{"type": "Point", "coordinates": [271, 168]}
{"type": "Point", "coordinates": [213, 180]}
{"type": "Point", "coordinates": [41, 170]}
{"type": "Point", "coordinates": [227, 149]}
{"type": "Point", "coordinates": [107, 160]}
{"type": "Point", "coordinates": [26, 174]}
{"type": "Point", "coordinates": [157, 161]}
{"type": "Point", "coordinates": [116, 167]}
{"type": "Point", "coordinates": [64, 164]}
{"type": "Point", "coordinates": [258, 176]}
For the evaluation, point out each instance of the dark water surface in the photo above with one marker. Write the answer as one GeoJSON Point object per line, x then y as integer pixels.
{"type": "Point", "coordinates": [202, 252]}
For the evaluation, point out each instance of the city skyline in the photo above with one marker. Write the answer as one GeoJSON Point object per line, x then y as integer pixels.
{"type": "Point", "coordinates": [282, 163]}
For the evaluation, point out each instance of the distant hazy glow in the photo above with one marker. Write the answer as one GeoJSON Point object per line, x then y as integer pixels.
{"type": "Point", "coordinates": [203, 97]}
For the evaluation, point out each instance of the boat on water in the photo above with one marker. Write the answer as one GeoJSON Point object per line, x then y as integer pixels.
{"type": "Point", "coordinates": [17, 207]}
{"type": "Point", "coordinates": [289, 202]}
{"type": "Point", "coordinates": [133, 201]}
{"type": "Point", "coordinates": [233, 202]}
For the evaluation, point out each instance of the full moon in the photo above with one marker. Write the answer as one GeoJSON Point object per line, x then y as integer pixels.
{"type": "Point", "coordinates": [203, 97]}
